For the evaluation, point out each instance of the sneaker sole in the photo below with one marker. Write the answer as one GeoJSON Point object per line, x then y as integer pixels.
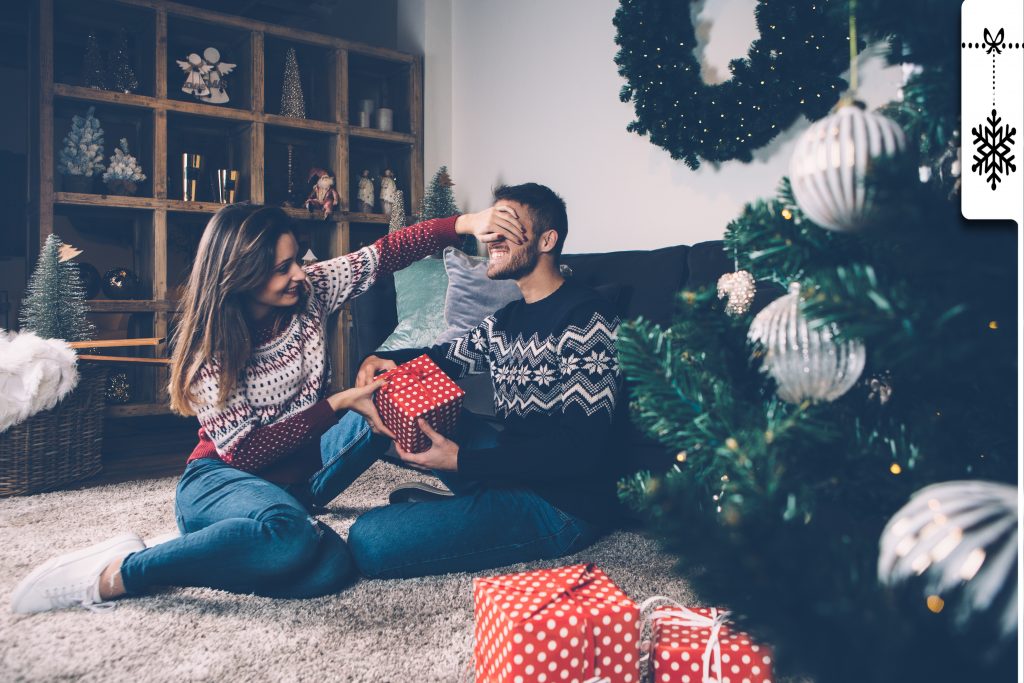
{"type": "Point", "coordinates": [56, 562]}
{"type": "Point", "coordinates": [401, 494]}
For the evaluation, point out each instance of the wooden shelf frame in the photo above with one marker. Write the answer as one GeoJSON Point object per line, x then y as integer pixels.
{"type": "Point", "coordinates": [158, 208]}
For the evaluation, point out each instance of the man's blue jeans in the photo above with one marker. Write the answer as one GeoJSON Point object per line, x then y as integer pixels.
{"type": "Point", "coordinates": [480, 527]}
{"type": "Point", "coordinates": [244, 534]}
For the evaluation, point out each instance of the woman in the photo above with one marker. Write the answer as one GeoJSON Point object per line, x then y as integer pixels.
{"type": "Point", "coordinates": [250, 361]}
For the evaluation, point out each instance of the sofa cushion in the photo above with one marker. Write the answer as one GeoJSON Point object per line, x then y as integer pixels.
{"type": "Point", "coordinates": [652, 277]}
{"type": "Point", "coordinates": [419, 295]}
{"type": "Point", "coordinates": [471, 296]}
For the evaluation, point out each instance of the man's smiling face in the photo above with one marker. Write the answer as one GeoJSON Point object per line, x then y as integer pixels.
{"type": "Point", "coordinates": [509, 261]}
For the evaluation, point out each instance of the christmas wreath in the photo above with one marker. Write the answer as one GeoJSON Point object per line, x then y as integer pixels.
{"type": "Point", "coordinates": [792, 68]}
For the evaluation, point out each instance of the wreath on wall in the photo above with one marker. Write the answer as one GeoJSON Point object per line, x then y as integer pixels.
{"type": "Point", "coordinates": [792, 68]}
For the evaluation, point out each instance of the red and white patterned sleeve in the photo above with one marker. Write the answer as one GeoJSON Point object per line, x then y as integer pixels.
{"type": "Point", "coordinates": [241, 439]}
{"type": "Point", "coordinates": [339, 279]}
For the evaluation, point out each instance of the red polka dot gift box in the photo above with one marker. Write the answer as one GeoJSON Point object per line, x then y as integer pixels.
{"type": "Point", "coordinates": [700, 645]}
{"type": "Point", "coordinates": [418, 389]}
{"type": "Point", "coordinates": [565, 625]}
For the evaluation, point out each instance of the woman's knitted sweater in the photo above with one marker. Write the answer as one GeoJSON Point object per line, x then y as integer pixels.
{"type": "Point", "coordinates": [272, 421]}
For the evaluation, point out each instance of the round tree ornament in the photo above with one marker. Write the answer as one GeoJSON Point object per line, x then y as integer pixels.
{"type": "Point", "coordinates": [831, 161]}
{"type": "Point", "coordinates": [120, 283]}
{"type": "Point", "coordinates": [960, 537]}
{"type": "Point", "coordinates": [806, 363]}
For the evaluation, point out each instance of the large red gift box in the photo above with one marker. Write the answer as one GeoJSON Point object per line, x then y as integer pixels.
{"type": "Point", "coordinates": [697, 644]}
{"type": "Point", "coordinates": [564, 625]}
{"type": "Point", "coordinates": [418, 389]}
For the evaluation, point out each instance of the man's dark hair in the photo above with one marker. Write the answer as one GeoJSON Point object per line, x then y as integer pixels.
{"type": "Point", "coordinates": [547, 209]}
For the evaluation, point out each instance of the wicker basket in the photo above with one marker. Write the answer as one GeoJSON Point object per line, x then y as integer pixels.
{"type": "Point", "coordinates": [58, 446]}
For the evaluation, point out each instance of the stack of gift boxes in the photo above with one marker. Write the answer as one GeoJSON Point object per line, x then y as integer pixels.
{"type": "Point", "coordinates": [574, 625]}
{"type": "Point", "coordinates": [571, 624]}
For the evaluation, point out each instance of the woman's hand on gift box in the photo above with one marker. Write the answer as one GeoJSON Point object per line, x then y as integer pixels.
{"type": "Point", "coordinates": [443, 454]}
{"type": "Point", "coordinates": [371, 367]}
{"type": "Point", "coordinates": [360, 400]}
{"type": "Point", "coordinates": [491, 225]}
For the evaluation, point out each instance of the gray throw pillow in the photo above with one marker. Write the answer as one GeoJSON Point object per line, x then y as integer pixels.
{"type": "Point", "coordinates": [471, 295]}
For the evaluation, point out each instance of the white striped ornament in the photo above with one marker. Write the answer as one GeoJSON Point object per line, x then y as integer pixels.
{"type": "Point", "coordinates": [806, 364]}
{"type": "Point", "coordinates": [831, 161]}
{"type": "Point", "coordinates": [960, 537]}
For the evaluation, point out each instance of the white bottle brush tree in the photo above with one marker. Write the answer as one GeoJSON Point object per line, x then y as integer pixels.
{"type": "Point", "coordinates": [124, 173]}
{"type": "Point", "coordinates": [82, 153]}
{"type": "Point", "coordinates": [55, 307]}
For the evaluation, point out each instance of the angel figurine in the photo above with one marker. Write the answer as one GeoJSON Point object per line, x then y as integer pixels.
{"type": "Point", "coordinates": [195, 81]}
{"type": "Point", "coordinates": [218, 86]}
{"type": "Point", "coordinates": [365, 193]}
{"type": "Point", "coordinates": [323, 195]}
{"type": "Point", "coordinates": [388, 192]}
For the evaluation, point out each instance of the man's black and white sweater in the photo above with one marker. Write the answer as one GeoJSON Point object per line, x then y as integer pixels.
{"type": "Point", "coordinates": [557, 384]}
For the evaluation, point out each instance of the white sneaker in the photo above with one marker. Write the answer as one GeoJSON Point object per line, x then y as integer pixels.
{"type": "Point", "coordinates": [71, 580]}
{"type": "Point", "coordinates": [162, 538]}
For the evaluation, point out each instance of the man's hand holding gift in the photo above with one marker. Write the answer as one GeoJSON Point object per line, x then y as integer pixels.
{"type": "Point", "coordinates": [443, 454]}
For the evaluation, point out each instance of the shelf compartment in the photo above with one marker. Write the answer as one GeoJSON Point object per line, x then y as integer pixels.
{"type": "Point", "coordinates": [223, 144]}
{"type": "Point", "coordinates": [110, 237]}
{"type": "Point", "coordinates": [386, 83]}
{"type": "Point", "coordinates": [314, 74]}
{"type": "Point", "coordinates": [117, 121]}
{"type": "Point", "coordinates": [310, 150]}
{"type": "Point", "coordinates": [187, 36]}
{"type": "Point", "coordinates": [73, 20]}
{"type": "Point", "coordinates": [375, 156]}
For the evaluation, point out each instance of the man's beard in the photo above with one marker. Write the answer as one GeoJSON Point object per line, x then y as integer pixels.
{"type": "Point", "coordinates": [517, 265]}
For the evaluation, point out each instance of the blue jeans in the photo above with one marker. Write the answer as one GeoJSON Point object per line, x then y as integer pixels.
{"type": "Point", "coordinates": [244, 534]}
{"type": "Point", "coordinates": [481, 527]}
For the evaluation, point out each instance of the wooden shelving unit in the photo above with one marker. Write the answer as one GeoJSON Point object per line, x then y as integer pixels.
{"type": "Point", "coordinates": [157, 229]}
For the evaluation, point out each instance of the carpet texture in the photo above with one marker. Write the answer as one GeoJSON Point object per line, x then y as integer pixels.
{"type": "Point", "coordinates": [381, 630]}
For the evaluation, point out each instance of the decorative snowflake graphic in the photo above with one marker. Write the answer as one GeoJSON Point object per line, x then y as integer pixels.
{"type": "Point", "coordinates": [993, 144]}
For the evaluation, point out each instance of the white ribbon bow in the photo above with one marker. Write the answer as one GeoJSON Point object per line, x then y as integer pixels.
{"type": "Point", "coordinates": [681, 616]}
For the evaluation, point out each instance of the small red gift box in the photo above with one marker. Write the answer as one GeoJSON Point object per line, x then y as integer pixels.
{"type": "Point", "coordinates": [567, 625]}
{"type": "Point", "coordinates": [699, 645]}
{"type": "Point", "coordinates": [418, 389]}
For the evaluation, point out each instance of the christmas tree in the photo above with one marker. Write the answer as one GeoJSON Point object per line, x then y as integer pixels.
{"type": "Point", "coordinates": [124, 73]}
{"type": "Point", "coordinates": [82, 151]}
{"type": "Point", "coordinates": [54, 307]}
{"type": "Point", "coordinates": [293, 102]}
{"type": "Point", "coordinates": [775, 502]}
{"type": "Point", "coordinates": [439, 202]}
{"type": "Point", "coordinates": [94, 74]}
{"type": "Point", "coordinates": [397, 220]}
{"type": "Point", "coordinates": [123, 166]}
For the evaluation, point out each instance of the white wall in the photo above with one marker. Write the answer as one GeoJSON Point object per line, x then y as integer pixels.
{"type": "Point", "coordinates": [534, 97]}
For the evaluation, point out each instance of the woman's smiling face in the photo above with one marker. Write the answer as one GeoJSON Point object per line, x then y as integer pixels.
{"type": "Point", "coordinates": [284, 287]}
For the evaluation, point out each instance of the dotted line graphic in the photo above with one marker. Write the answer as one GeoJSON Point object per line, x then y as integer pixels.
{"type": "Point", "coordinates": [1008, 46]}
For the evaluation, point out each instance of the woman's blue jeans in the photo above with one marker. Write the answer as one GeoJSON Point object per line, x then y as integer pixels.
{"type": "Point", "coordinates": [244, 534]}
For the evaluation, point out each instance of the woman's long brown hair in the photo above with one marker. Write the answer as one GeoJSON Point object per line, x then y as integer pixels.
{"type": "Point", "coordinates": [234, 260]}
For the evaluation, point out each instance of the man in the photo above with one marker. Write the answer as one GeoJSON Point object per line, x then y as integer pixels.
{"type": "Point", "coordinates": [544, 485]}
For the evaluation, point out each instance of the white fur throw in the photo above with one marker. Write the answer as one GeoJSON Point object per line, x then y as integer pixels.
{"type": "Point", "coordinates": [35, 373]}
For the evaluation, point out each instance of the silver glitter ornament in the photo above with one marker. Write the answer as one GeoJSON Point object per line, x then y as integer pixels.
{"type": "Point", "coordinates": [831, 161]}
{"type": "Point", "coordinates": [740, 289]}
{"type": "Point", "coordinates": [961, 538]}
{"type": "Point", "coordinates": [806, 364]}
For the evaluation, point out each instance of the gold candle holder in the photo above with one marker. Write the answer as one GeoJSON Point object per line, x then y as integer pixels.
{"type": "Point", "coordinates": [227, 184]}
{"type": "Point", "coordinates": [192, 166]}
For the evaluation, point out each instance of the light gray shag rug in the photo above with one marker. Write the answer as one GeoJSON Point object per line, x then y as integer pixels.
{"type": "Point", "coordinates": [381, 630]}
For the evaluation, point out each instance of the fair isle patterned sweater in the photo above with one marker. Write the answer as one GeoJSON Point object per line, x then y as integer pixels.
{"type": "Point", "coordinates": [272, 422]}
{"type": "Point", "coordinates": [556, 381]}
